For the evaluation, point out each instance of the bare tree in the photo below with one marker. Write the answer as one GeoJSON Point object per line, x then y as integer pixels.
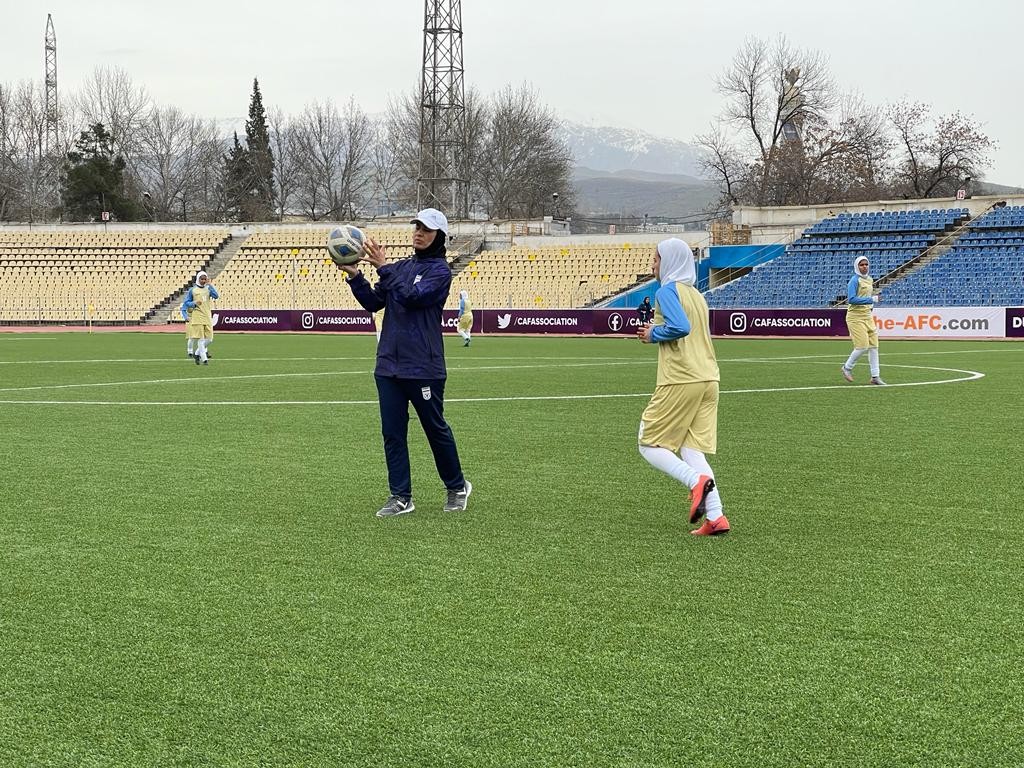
{"type": "Point", "coordinates": [174, 149]}
{"type": "Point", "coordinates": [478, 112]}
{"type": "Point", "coordinates": [795, 139]}
{"type": "Point", "coordinates": [29, 170]}
{"type": "Point", "coordinates": [8, 155]}
{"type": "Point", "coordinates": [110, 97]}
{"type": "Point", "coordinates": [403, 128]}
{"type": "Point", "coordinates": [318, 149]}
{"type": "Point", "coordinates": [355, 176]}
{"type": "Point", "coordinates": [332, 160]}
{"type": "Point", "coordinates": [282, 144]}
{"type": "Point", "coordinates": [936, 162]}
{"type": "Point", "coordinates": [723, 161]}
{"type": "Point", "coordinates": [523, 161]}
{"type": "Point", "coordinates": [33, 170]}
{"type": "Point", "coordinates": [387, 165]}
{"type": "Point", "coordinates": [775, 94]}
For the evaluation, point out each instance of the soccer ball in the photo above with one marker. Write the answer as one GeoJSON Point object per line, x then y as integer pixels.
{"type": "Point", "coordinates": [345, 244]}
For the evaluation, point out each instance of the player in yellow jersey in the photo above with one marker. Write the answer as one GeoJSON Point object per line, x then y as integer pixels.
{"type": "Point", "coordinates": [859, 321]}
{"type": "Point", "coordinates": [465, 318]}
{"type": "Point", "coordinates": [199, 305]}
{"type": "Point", "coordinates": [680, 423]}
{"type": "Point", "coordinates": [189, 348]}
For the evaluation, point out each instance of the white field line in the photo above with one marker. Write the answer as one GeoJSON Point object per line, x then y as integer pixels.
{"type": "Point", "coordinates": [301, 374]}
{"type": "Point", "coordinates": [968, 376]}
{"type": "Point", "coordinates": [370, 358]}
{"type": "Point", "coordinates": [181, 361]}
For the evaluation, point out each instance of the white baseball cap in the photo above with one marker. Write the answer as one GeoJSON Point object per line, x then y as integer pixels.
{"type": "Point", "coordinates": [431, 218]}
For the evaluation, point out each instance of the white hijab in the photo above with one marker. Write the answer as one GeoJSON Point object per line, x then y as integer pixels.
{"type": "Point", "coordinates": [676, 262]}
{"type": "Point", "coordinates": [857, 261]}
{"type": "Point", "coordinates": [464, 295]}
{"type": "Point", "coordinates": [199, 274]}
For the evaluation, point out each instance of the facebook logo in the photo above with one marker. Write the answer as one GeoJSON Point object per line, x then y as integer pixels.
{"type": "Point", "coordinates": [615, 321]}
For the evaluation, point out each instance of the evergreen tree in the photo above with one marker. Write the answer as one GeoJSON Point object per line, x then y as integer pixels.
{"type": "Point", "coordinates": [260, 201]}
{"type": "Point", "coordinates": [236, 181]}
{"type": "Point", "coordinates": [94, 179]}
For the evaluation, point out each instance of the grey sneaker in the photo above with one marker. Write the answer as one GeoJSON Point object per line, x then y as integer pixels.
{"type": "Point", "coordinates": [847, 374]}
{"type": "Point", "coordinates": [457, 499]}
{"type": "Point", "coordinates": [396, 505]}
{"type": "Point", "coordinates": [877, 381]}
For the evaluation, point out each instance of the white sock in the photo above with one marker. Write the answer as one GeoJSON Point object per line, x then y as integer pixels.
{"type": "Point", "coordinates": [670, 464]}
{"type": "Point", "coordinates": [854, 357]}
{"type": "Point", "coordinates": [188, 347]}
{"type": "Point", "coordinates": [873, 362]}
{"type": "Point", "coordinates": [713, 503]}
{"type": "Point", "coordinates": [202, 350]}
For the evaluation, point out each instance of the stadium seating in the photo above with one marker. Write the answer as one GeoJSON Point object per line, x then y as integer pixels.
{"type": "Point", "coordinates": [286, 268]}
{"type": "Point", "coordinates": [290, 268]}
{"type": "Point", "coordinates": [69, 276]}
{"type": "Point", "coordinates": [984, 267]}
{"type": "Point", "coordinates": [1011, 217]}
{"type": "Point", "coordinates": [552, 276]}
{"type": "Point", "coordinates": [815, 269]}
{"type": "Point", "coordinates": [889, 221]}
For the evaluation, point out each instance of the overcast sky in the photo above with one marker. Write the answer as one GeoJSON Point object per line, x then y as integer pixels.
{"type": "Point", "coordinates": [646, 64]}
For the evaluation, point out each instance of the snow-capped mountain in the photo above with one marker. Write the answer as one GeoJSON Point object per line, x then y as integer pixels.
{"type": "Point", "coordinates": [630, 172]}
{"type": "Point", "coordinates": [604, 148]}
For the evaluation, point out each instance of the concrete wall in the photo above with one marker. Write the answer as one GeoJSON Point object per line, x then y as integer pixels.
{"type": "Point", "coordinates": [695, 239]}
{"type": "Point", "coordinates": [783, 224]}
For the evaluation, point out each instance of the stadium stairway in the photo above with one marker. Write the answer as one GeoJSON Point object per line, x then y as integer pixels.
{"type": "Point", "coordinates": [159, 314]}
{"type": "Point", "coordinates": [940, 248]}
{"type": "Point", "coordinates": [466, 249]}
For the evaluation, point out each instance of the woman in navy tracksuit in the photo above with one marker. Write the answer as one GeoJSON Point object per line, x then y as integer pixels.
{"type": "Point", "coordinates": [410, 357]}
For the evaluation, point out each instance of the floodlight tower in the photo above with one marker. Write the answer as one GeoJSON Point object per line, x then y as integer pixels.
{"type": "Point", "coordinates": [51, 88]}
{"type": "Point", "coordinates": [443, 180]}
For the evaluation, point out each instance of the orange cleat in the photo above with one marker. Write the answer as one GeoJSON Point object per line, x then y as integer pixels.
{"type": "Point", "coordinates": [716, 528]}
{"type": "Point", "coordinates": [698, 496]}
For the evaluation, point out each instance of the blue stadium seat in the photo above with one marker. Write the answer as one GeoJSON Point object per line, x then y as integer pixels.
{"type": "Point", "coordinates": [984, 267]}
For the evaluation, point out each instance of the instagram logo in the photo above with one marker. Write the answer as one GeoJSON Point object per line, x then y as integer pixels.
{"type": "Point", "coordinates": [738, 322]}
{"type": "Point", "coordinates": [307, 320]}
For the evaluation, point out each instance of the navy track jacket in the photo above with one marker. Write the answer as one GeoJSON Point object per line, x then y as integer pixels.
{"type": "Point", "coordinates": [412, 292]}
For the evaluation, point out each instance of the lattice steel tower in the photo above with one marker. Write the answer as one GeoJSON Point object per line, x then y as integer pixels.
{"type": "Point", "coordinates": [51, 87]}
{"type": "Point", "coordinates": [443, 178]}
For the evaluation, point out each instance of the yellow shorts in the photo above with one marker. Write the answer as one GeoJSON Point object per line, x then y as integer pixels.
{"type": "Point", "coordinates": [682, 415]}
{"type": "Point", "coordinates": [465, 321]}
{"type": "Point", "coordinates": [862, 331]}
{"type": "Point", "coordinates": [197, 331]}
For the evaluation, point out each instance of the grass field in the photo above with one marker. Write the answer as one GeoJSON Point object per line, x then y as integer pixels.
{"type": "Point", "coordinates": [191, 573]}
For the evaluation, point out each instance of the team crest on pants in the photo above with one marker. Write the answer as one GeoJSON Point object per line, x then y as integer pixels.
{"type": "Point", "coordinates": [426, 393]}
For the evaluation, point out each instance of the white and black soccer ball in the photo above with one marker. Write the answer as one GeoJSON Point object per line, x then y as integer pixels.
{"type": "Point", "coordinates": [345, 244]}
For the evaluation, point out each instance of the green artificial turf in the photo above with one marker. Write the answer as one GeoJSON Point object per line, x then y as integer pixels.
{"type": "Point", "coordinates": [187, 579]}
